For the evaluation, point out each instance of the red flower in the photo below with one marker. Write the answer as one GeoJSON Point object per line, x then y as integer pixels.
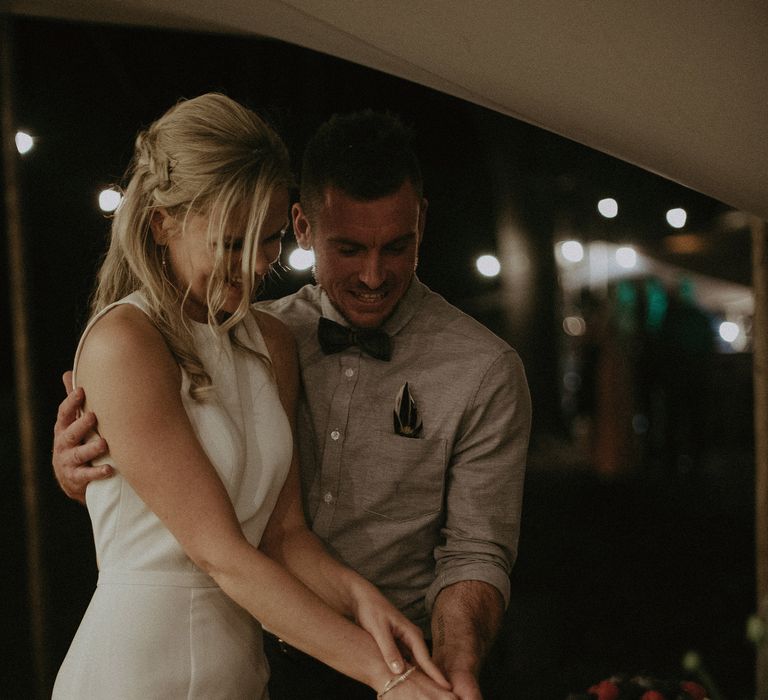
{"type": "Point", "coordinates": [652, 695]}
{"type": "Point", "coordinates": [605, 690]}
{"type": "Point", "coordinates": [694, 690]}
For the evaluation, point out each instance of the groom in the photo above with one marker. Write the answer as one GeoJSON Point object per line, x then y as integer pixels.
{"type": "Point", "coordinates": [414, 425]}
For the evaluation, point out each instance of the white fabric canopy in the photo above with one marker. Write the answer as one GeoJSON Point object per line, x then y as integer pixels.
{"type": "Point", "coordinates": [679, 88]}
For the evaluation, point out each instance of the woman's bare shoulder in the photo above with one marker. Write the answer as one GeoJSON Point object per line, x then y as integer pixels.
{"type": "Point", "coordinates": [124, 338]}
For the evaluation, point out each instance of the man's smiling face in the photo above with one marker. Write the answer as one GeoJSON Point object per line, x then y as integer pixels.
{"type": "Point", "coordinates": [365, 251]}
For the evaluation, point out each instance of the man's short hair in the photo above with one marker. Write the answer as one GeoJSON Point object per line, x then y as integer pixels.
{"type": "Point", "coordinates": [367, 155]}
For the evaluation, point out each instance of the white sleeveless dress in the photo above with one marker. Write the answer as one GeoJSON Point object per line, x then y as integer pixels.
{"type": "Point", "coordinates": [157, 626]}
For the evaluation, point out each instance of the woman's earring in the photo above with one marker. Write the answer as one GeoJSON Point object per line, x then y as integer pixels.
{"type": "Point", "coordinates": [164, 262]}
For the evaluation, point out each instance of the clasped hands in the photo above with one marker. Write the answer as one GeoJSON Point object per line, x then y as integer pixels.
{"type": "Point", "coordinates": [76, 444]}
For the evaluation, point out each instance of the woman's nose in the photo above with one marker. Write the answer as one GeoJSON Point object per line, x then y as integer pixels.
{"type": "Point", "coordinates": [262, 263]}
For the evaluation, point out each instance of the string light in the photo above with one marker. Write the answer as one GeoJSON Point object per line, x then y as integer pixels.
{"type": "Point", "coordinates": [608, 207]}
{"type": "Point", "coordinates": [572, 251]}
{"type": "Point", "coordinates": [488, 265]}
{"type": "Point", "coordinates": [626, 257]}
{"type": "Point", "coordinates": [24, 142]}
{"type": "Point", "coordinates": [300, 259]}
{"type": "Point", "coordinates": [109, 199]}
{"type": "Point", "coordinates": [676, 218]}
{"type": "Point", "coordinates": [729, 331]}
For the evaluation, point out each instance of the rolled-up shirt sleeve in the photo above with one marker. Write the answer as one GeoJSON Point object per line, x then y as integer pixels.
{"type": "Point", "coordinates": [484, 487]}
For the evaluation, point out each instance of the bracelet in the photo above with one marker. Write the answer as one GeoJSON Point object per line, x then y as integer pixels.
{"type": "Point", "coordinates": [397, 680]}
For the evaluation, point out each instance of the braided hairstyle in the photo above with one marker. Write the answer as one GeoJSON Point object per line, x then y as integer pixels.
{"type": "Point", "coordinates": [211, 156]}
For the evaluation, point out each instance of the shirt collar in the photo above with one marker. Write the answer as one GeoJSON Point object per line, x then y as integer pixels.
{"type": "Point", "coordinates": [329, 310]}
{"type": "Point", "coordinates": [396, 322]}
{"type": "Point", "coordinates": [407, 307]}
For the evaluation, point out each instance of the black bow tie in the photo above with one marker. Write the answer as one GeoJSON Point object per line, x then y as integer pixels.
{"type": "Point", "coordinates": [334, 337]}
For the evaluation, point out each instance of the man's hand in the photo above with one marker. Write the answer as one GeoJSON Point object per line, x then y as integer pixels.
{"type": "Point", "coordinates": [464, 685]}
{"type": "Point", "coordinates": [75, 444]}
{"type": "Point", "coordinates": [466, 618]}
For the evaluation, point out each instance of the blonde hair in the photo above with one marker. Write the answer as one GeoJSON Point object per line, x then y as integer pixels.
{"type": "Point", "coordinates": [208, 155]}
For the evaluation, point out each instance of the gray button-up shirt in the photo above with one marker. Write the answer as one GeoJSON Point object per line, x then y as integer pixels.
{"type": "Point", "coordinates": [413, 515]}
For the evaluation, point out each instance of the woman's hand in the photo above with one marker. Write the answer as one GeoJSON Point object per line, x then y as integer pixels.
{"type": "Point", "coordinates": [418, 686]}
{"type": "Point", "coordinates": [393, 632]}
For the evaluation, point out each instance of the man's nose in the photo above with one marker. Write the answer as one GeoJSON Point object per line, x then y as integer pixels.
{"type": "Point", "coordinates": [372, 273]}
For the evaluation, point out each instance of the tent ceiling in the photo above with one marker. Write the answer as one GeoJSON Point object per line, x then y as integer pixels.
{"type": "Point", "coordinates": [680, 89]}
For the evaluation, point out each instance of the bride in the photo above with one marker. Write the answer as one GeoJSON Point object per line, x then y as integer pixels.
{"type": "Point", "coordinates": [200, 537]}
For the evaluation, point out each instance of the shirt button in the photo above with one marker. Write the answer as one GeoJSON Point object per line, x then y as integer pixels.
{"type": "Point", "coordinates": [335, 434]}
{"type": "Point", "coordinates": [328, 497]}
{"type": "Point", "coordinates": [349, 373]}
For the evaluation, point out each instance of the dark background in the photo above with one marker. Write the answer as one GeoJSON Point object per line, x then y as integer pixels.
{"type": "Point", "coordinates": [619, 571]}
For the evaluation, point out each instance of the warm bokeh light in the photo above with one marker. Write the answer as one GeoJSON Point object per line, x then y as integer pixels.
{"type": "Point", "coordinates": [608, 207]}
{"type": "Point", "coordinates": [572, 251]}
{"type": "Point", "coordinates": [24, 142]}
{"type": "Point", "coordinates": [109, 199]}
{"type": "Point", "coordinates": [684, 243]}
{"type": "Point", "coordinates": [626, 257]}
{"type": "Point", "coordinates": [676, 217]}
{"type": "Point", "coordinates": [574, 325]}
{"type": "Point", "coordinates": [488, 265]}
{"type": "Point", "coordinates": [300, 259]}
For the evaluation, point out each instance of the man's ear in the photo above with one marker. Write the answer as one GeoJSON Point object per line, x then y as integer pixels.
{"type": "Point", "coordinates": [422, 218]}
{"type": "Point", "coordinates": [302, 229]}
{"type": "Point", "coordinates": [162, 225]}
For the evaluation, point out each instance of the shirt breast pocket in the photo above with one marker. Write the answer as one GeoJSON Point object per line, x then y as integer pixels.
{"type": "Point", "coordinates": [404, 477]}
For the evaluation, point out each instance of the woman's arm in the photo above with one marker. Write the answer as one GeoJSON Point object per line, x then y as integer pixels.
{"type": "Point", "coordinates": [133, 386]}
{"type": "Point", "coordinates": [289, 541]}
